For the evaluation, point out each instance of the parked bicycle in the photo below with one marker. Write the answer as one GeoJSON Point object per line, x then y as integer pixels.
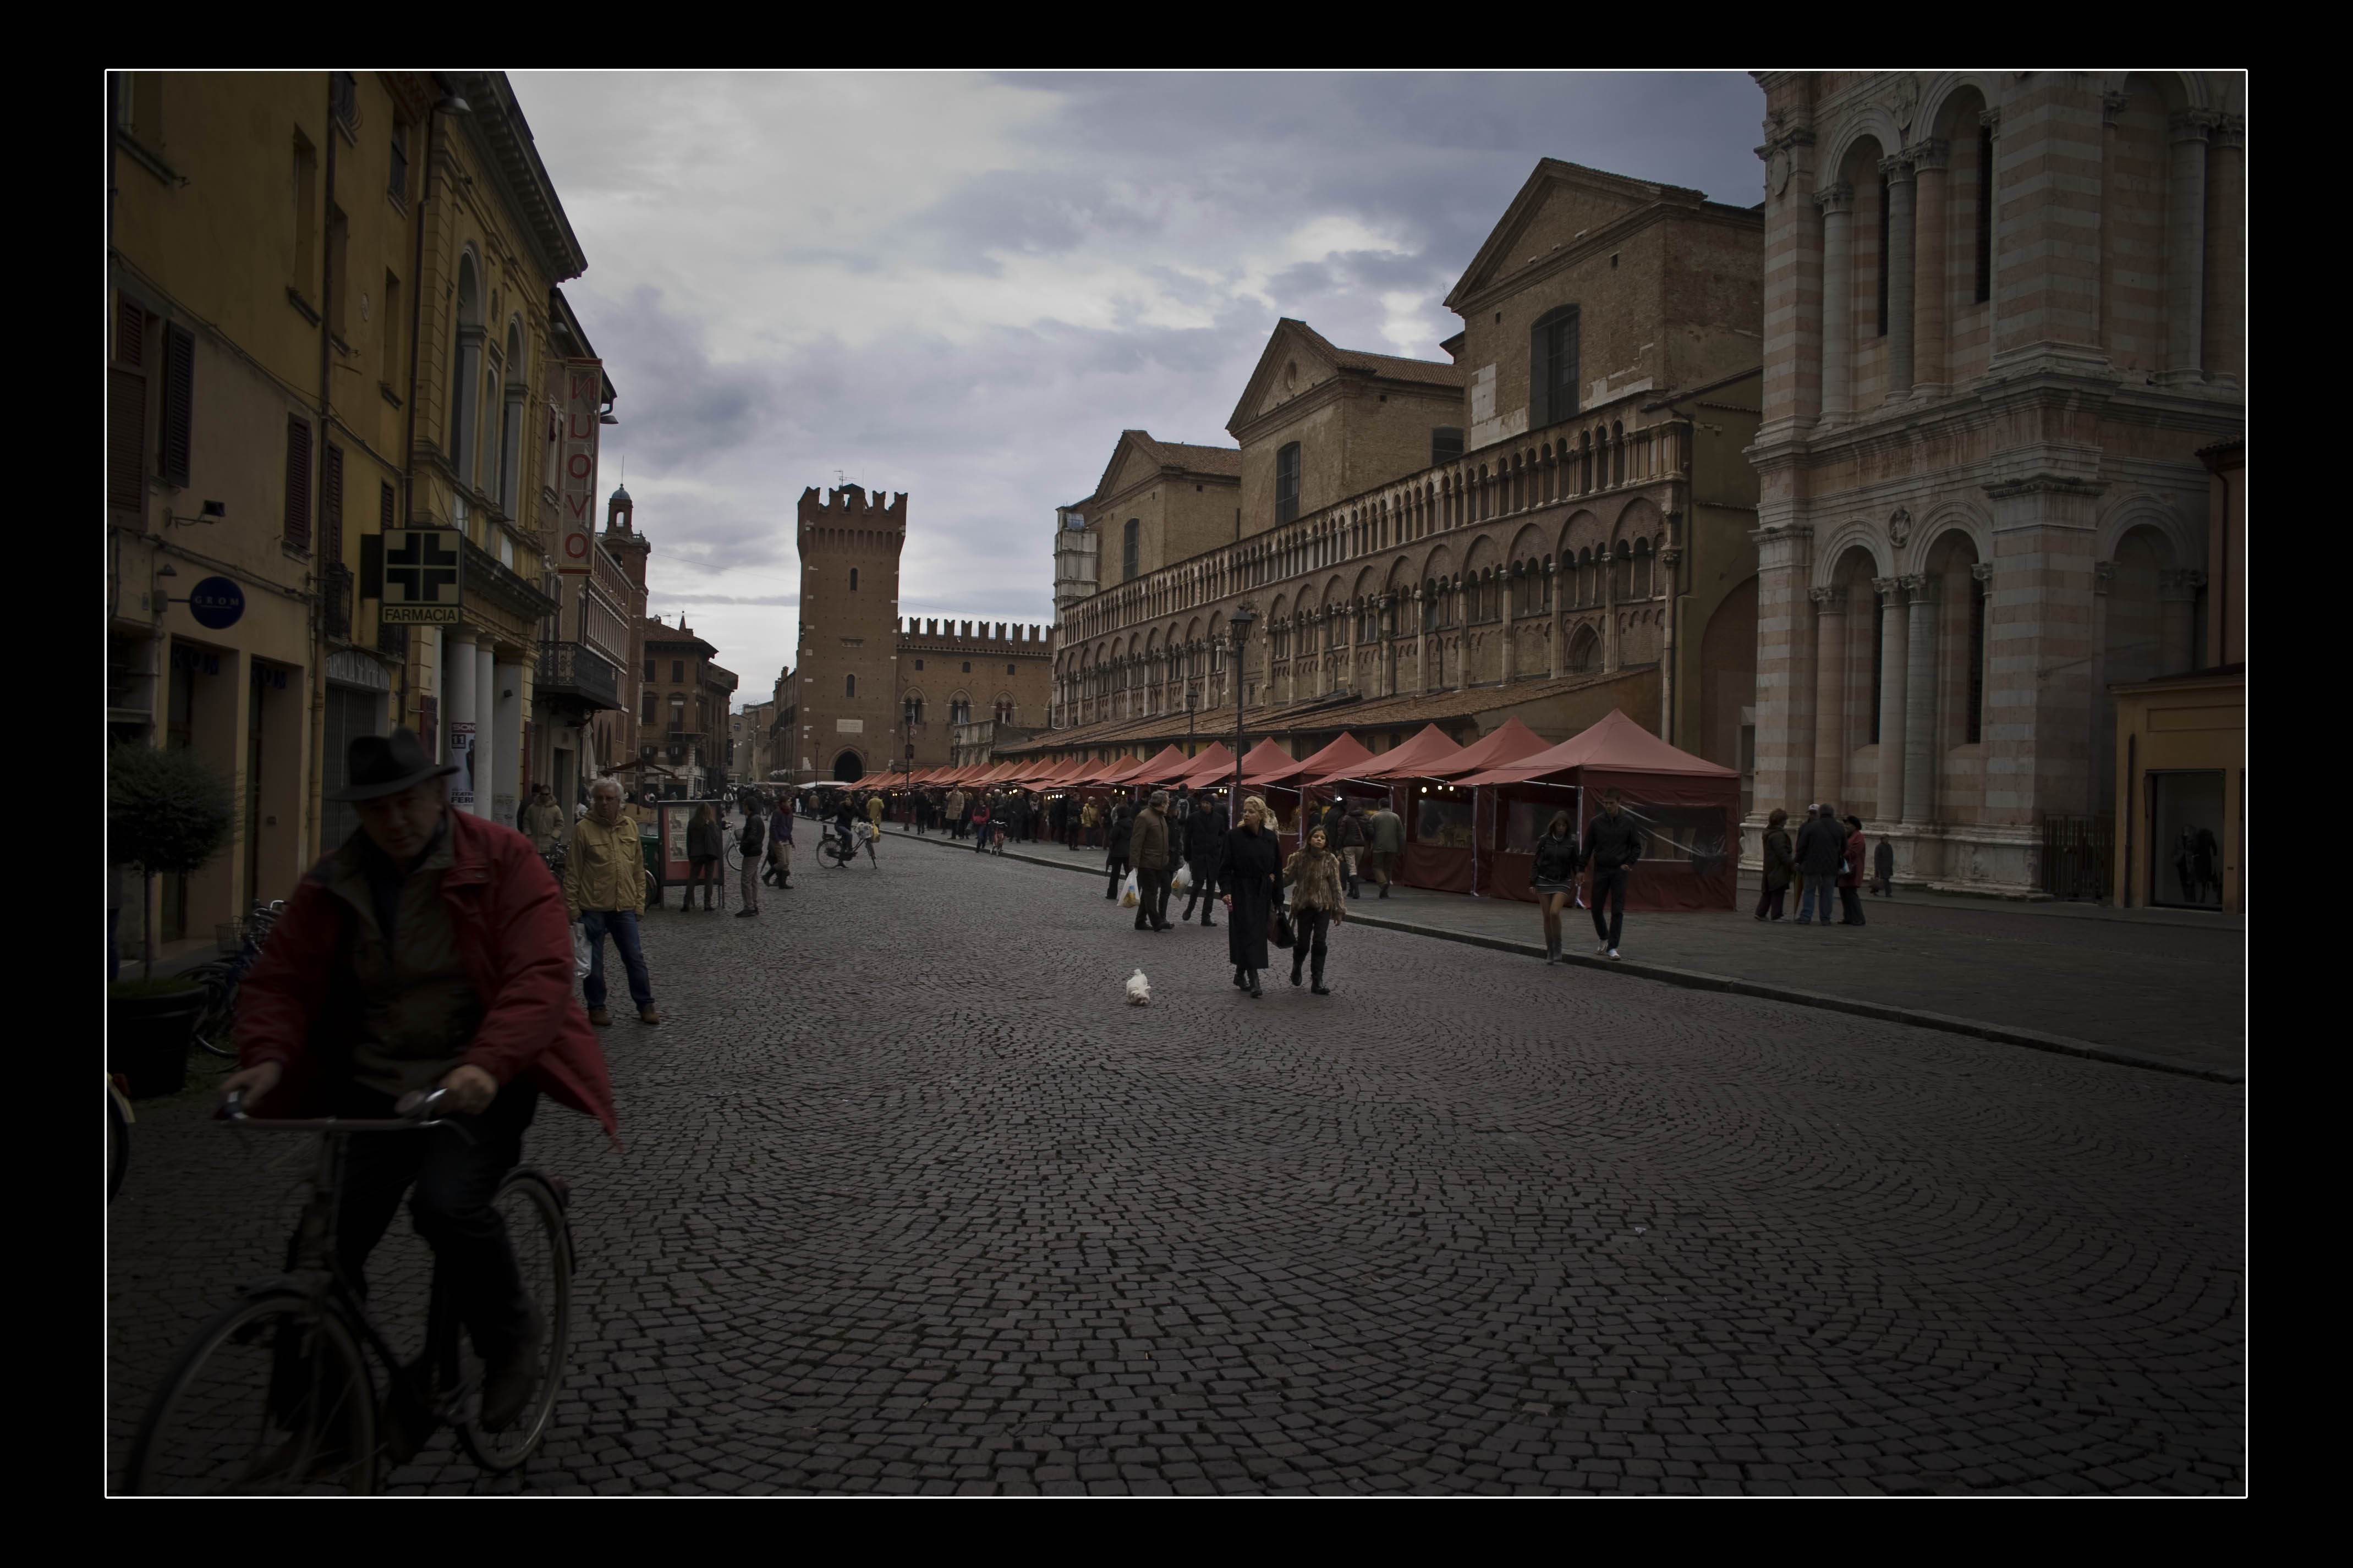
{"type": "Point", "coordinates": [275, 1395]}
{"type": "Point", "coordinates": [217, 1022]}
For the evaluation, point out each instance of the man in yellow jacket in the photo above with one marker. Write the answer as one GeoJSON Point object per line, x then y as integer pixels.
{"type": "Point", "coordinates": [605, 894]}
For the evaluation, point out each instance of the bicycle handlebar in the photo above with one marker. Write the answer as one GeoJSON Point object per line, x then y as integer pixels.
{"type": "Point", "coordinates": [417, 1111]}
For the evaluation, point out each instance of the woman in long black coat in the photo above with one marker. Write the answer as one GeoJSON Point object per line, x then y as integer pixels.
{"type": "Point", "coordinates": [1123, 828]}
{"type": "Point", "coordinates": [1248, 871]}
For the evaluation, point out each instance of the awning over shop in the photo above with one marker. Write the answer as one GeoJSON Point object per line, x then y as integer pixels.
{"type": "Point", "coordinates": [1211, 768]}
{"type": "Point", "coordinates": [1163, 766]}
{"type": "Point", "coordinates": [1509, 742]}
{"type": "Point", "coordinates": [1418, 758]}
{"type": "Point", "coordinates": [1616, 744]}
{"type": "Point", "coordinates": [1346, 756]}
{"type": "Point", "coordinates": [1266, 763]}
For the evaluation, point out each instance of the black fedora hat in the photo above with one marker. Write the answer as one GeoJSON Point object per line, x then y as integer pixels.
{"type": "Point", "coordinates": [386, 764]}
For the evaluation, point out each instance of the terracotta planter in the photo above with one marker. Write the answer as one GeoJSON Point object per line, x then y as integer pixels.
{"type": "Point", "coordinates": [147, 1040]}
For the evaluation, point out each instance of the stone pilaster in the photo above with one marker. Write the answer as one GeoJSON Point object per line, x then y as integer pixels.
{"type": "Point", "coordinates": [2185, 243]}
{"type": "Point", "coordinates": [1932, 286]}
{"type": "Point", "coordinates": [1899, 262]}
{"type": "Point", "coordinates": [1888, 806]}
{"type": "Point", "coordinates": [1784, 699]}
{"type": "Point", "coordinates": [2225, 352]}
{"type": "Point", "coordinates": [1837, 202]}
{"type": "Point", "coordinates": [1829, 694]}
{"type": "Point", "coordinates": [2177, 602]}
{"type": "Point", "coordinates": [1920, 664]}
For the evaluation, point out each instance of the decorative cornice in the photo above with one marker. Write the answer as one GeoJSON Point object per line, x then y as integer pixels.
{"type": "Point", "coordinates": [1828, 601]}
{"type": "Point", "coordinates": [2055, 484]}
{"type": "Point", "coordinates": [1929, 156]}
{"type": "Point", "coordinates": [1837, 198]}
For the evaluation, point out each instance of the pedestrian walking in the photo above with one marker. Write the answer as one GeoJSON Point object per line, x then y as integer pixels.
{"type": "Point", "coordinates": [543, 821]}
{"type": "Point", "coordinates": [1350, 843]}
{"type": "Point", "coordinates": [1780, 862]}
{"type": "Point", "coordinates": [1116, 834]}
{"type": "Point", "coordinates": [1204, 846]}
{"type": "Point", "coordinates": [1313, 875]}
{"type": "Point", "coordinates": [874, 808]}
{"type": "Point", "coordinates": [1820, 847]}
{"type": "Point", "coordinates": [706, 851]}
{"type": "Point", "coordinates": [1554, 878]}
{"type": "Point", "coordinates": [1385, 841]}
{"type": "Point", "coordinates": [1613, 844]}
{"type": "Point", "coordinates": [1248, 874]}
{"type": "Point", "coordinates": [980, 823]}
{"type": "Point", "coordinates": [604, 895]}
{"type": "Point", "coordinates": [1882, 865]}
{"type": "Point", "coordinates": [780, 845]}
{"type": "Point", "coordinates": [1087, 819]}
{"type": "Point", "coordinates": [1850, 872]}
{"type": "Point", "coordinates": [954, 805]}
{"type": "Point", "coordinates": [754, 841]}
{"type": "Point", "coordinates": [1148, 844]}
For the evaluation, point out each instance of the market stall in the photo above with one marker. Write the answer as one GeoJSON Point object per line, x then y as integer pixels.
{"type": "Point", "coordinates": [1441, 827]}
{"type": "Point", "coordinates": [1688, 809]}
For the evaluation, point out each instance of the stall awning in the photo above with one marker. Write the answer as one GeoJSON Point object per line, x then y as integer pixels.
{"type": "Point", "coordinates": [1416, 759]}
{"type": "Point", "coordinates": [1166, 765]}
{"type": "Point", "coordinates": [1267, 762]}
{"type": "Point", "coordinates": [1509, 742]}
{"type": "Point", "coordinates": [1345, 755]}
{"type": "Point", "coordinates": [1212, 767]}
{"type": "Point", "coordinates": [1616, 744]}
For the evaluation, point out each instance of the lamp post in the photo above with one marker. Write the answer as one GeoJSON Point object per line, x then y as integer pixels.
{"type": "Point", "coordinates": [1238, 626]}
{"type": "Point", "coordinates": [1189, 699]}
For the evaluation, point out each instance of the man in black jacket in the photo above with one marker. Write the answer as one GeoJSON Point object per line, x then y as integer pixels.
{"type": "Point", "coordinates": [1822, 844]}
{"type": "Point", "coordinates": [1205, 847]}
{"type": "Point", "coordinates": [1612, 845]}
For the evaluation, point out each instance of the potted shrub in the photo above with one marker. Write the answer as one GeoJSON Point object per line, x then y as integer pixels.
{"type": "Point", "coordinates": [166, 813]}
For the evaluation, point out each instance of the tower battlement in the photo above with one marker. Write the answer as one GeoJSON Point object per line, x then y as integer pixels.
{"type": "Point", "coordinates": [851, 504]}
{"type": "Point", "coordinates": [998, 637]}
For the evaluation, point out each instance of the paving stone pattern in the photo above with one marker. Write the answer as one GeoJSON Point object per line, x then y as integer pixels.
{"type": "Point", "coordinates": [912, 1203]}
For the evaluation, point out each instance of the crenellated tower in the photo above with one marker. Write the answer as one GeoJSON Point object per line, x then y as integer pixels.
{"type": "Point", "coordinates": [846, 677]}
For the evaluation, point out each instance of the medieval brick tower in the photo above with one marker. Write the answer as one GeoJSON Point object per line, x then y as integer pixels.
{"type": "Point", "coordinates": [846, 707]}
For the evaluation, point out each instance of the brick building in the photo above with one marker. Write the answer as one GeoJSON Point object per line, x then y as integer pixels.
{"type": "Point", "coordinates": [682, 718]}
{"type": "Point", "coordinates": [2003, 315]}
{"type": "Point", "coordinates": [1552, 524]}
{"type": "Point", "coordinates": [871, 690]}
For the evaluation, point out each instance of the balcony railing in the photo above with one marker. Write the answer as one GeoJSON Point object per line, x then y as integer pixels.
{"type": "Point", "coordinates": [568, 671]}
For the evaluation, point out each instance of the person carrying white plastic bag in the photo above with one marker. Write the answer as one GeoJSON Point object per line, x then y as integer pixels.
{"type": "Point", "coordinates": [1128, 895]}
{"type": "Point", "coordinates": [1183, 879]}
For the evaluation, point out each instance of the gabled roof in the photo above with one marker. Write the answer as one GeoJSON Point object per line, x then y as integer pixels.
{"type": "Point", "coordinates": [1615, 744]}
{"type": "Point", "coordinates": [1293, 337]}
{"type": "Point", "coordinates": [1180, 457]}
{"type": "Point", "coordinates": [1550, 175]}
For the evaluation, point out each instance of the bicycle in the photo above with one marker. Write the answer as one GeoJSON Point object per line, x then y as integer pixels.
{"type": "Point", "coordinates": [834, 852]}
{"type": "Point", "coordinates": [275, 1395]}
{"type": "Point", "coordinates": [216, 1025]}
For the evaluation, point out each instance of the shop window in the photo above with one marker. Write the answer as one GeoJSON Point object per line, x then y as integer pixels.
{"type": "Point", "coordinates": [2185, 840]}
{"type": "Point", "coordinates": [1444, 819]}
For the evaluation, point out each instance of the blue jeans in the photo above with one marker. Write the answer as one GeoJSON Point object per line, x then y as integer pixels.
{"type": "Point", "coordinates": [622, 926]}
{"type": "Point", "coordinates": [1820, 888]}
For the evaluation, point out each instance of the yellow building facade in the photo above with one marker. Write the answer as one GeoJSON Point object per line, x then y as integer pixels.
{"type": "Point", "coordinates": [328, 306]}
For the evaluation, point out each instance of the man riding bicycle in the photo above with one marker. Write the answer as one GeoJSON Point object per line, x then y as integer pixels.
{"type": "Point", "coordinates": [430, 949]}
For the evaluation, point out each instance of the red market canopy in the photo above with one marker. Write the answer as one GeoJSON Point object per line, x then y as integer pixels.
{"type": "Point", "coordinates": [1169, 762]}
{"type": "Point", "coordinates": [1096, 773]}
{"type": "Point", "coordinates": [1616, 744]}
{"type": "Point", "coordinates": [1265, 761]}
{"type": "Point", "coordinates": [1213, 766]}
{"type": "Point", "coordinates": [1416, 759]}
{"type": "Point", "coordinates": [1505, 746]}
{"type": "Point", "coordinates": [1051, 775]}
{"type": "Point", "coordinates": [1345, 757]}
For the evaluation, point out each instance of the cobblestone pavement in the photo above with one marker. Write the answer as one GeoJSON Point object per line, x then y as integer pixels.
{"type": "Point", "coordinates": [2169, 987]}
{"type": "Point", "coordinates": [912, 1203]}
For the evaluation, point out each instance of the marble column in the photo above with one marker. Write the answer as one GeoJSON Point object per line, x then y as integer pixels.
{"type": "Point", "coordinates": [1837, 202]}
{"type": "Point", "coordinates": [1889, 804]}
{"type": "Point", "coordinates": [459, 694]}
{"type": "Point", "coordinates": [487, 739]}
{"type": "Point", "coordinates": [1830, 693]}
{"type": "Point", "coordinates": [1920, 748]}
{"type": "Point", "coordinates": [506, 763]}
{"type": "Point", "coordinates": [1899, 263]}
{"type": "Point", "coordinates": [1930, 286]}
{"type": "Point", "coordinates": [1420, 647]}
{"type": "Point", "coordinates": [1555, 582]}
{"type": "Point", "coordinates": [2184, 241]}
{"type": "Point", "coordinates": [2176, 600]}
{"type": "Point", "coordinates": [2226, 255]}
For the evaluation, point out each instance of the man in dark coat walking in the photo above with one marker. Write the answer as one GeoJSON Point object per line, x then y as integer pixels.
{"type": "Point", "coordinates": [1205, 847]}
{"type": "Point", "coordinates": [1149, 844]}
{"type": "Point", "coordinates": [1612, 845]}
{"type": "Point", "coordinates": [1822, 843]}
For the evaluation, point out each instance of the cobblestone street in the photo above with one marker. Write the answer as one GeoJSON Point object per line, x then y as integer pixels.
{"type": "Point", "coordinates": [911, 1202]}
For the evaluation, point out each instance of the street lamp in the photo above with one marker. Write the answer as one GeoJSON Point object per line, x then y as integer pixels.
{"type": "Point", "coordinates": [1238, 626]}
{"type": "Point", "coordinates": [1190, 701]}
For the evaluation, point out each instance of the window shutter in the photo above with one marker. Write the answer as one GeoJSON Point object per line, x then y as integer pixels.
{"type": "Point", "coordinates": [130, 335]}
{"type": "Point", "coordinates": [179, 404]}
{"type": "Point", "coordinates": [331, 504]}
{"type": "Point", "coordinates": [298, 481]}
{"type": "Point", "coordinates": [126, 439]}
{"type": "Point", "coordinates": [371, 565]}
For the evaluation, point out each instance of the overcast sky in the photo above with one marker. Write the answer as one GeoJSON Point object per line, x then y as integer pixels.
{"type": "Point", "coordinates": [965, 287]}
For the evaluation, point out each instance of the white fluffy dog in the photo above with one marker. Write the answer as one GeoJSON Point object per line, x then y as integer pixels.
{"type": "Point", "coordinates": [1139, 990]}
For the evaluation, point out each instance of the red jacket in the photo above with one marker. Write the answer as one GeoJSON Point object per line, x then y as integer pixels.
{"type": "Point", "coordinates": [1855, 862]}
{"type": "Point", "coordinates": [298, 1005]}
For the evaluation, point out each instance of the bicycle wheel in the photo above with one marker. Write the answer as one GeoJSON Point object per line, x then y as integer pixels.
{"type": "Point", "coordinates": [734, 856]}
{"type": "Point", "coordinates": [542, 1254]}
{"type": "Point", "coordinates": [216, 1026]}
{"type": "Point", "coordinates": [271, 1398]}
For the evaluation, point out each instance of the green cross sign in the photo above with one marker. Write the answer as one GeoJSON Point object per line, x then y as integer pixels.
{"type": "Point", "coordinates": [421, 577]}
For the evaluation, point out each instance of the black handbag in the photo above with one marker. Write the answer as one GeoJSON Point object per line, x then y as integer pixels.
{"type": "Point", "coordinates": [1278, 927]}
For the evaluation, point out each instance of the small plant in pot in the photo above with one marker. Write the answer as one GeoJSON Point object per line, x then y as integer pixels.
{"type": "Point", "coordinates": [167, 813]}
